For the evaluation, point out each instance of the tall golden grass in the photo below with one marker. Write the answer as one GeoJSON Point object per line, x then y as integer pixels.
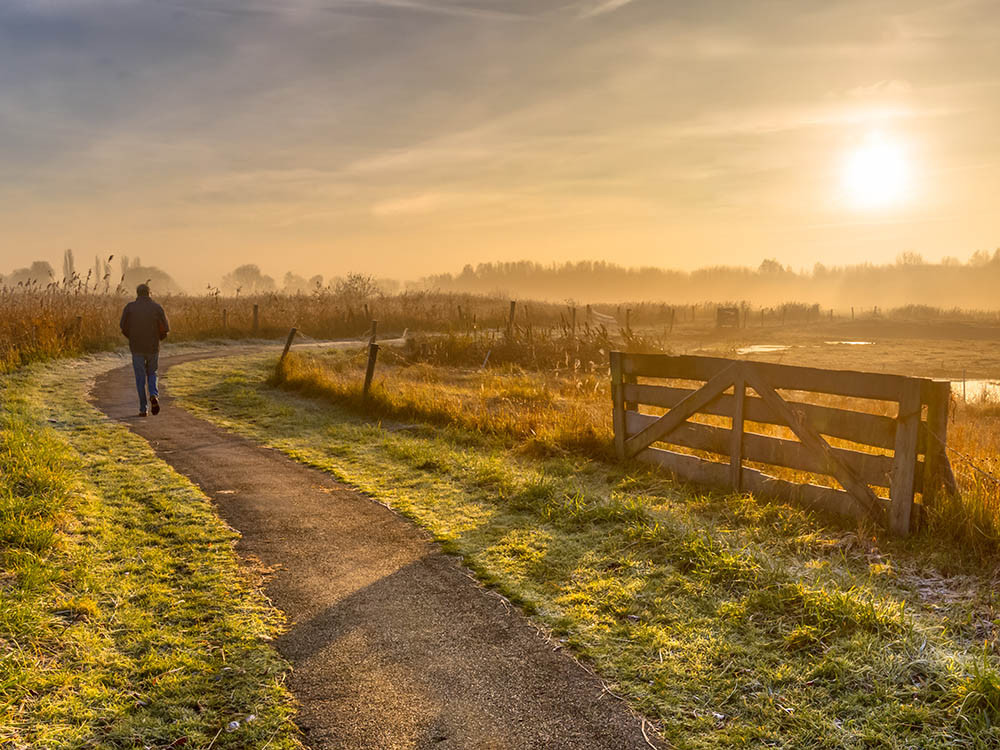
{"type": "Point", "coordinates": [65, 320]}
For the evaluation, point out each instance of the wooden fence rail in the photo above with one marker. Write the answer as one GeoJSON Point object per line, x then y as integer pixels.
{"type": "Point", "coordinates": [916, 435]}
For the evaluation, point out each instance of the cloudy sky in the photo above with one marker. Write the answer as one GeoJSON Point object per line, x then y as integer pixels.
{"type": "Point", "coordinates": [403, 137]}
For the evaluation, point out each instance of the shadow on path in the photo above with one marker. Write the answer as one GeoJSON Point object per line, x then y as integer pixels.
{"type": "Point", "coordinates": [392, 644]}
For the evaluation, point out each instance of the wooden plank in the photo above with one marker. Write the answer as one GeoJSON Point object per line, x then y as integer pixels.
{"type": "Point", "coordinates": [878, 386]}
{"type": "Point", "coordinates": [688, 468]}
{"type": "Point", "coordinates": [935, 434]}
{"type": "Point", "coordinates": [716, 475]}
{"type": "Point", "coordinates": [810, 496]}
{"type": "Point", "coordinates": [905, 460]}
{"type": "Point", "coordinates": [736, 438]}
{"type": "Point", "coordinates": [629, 380]}
{"type": "Point", "coordinates": [814, 441]}
{"type": "Point", "coordinates": [791, 454]}
{"type": "Point", "coordinates": [618, 404]}
{"type": "Point", "coordinates": [672, 419]}
{"type": "Point", "coordinates": [856, 426]}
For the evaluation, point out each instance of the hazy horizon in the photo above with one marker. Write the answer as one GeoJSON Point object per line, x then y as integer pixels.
{"type": "Point", "coordinates": [410, 137]}
{"type": "Point", "coordinates": [908, 282]}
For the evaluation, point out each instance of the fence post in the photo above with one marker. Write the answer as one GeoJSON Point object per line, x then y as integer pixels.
{"type": "Point", "coordinates": [288, 344]}
{"type": "Point", "coordinates": [736, 441]}
{"type": "Point", "coordinates": [904, 462]}
{"type": "Point", "coordinates": [225, 319]}
{"type": "Point", "coordinates": [618, 401]}
{"type": "Point", "coordinates": [935, 457]}
{"type": "Point", "coordinates": [510, 320]}
{"type": "Point", "coordinates": [256, 318]}
{"type": "Point", "coordinates": [374, 328]}
{"type": "Point", "coordinates": [370, 372]}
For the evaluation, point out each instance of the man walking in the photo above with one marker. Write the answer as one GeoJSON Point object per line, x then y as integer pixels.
{"type": "Point", "coordinates": [145, 324]}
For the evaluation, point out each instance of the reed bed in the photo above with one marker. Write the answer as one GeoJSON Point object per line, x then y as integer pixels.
{"type": "Point", "coordinates": [63, 320]}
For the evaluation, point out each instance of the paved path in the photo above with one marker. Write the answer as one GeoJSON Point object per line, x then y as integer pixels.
{"type": "Point", "coordinates": [392, 644]}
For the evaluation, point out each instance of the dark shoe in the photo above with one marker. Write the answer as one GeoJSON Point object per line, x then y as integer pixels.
{"type": "Point", "coordinates": [142, 414]}
{"type": "Point", "coordinates": [155, 403]}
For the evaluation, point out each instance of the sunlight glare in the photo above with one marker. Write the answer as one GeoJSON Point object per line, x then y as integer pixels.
{"type": "Point", "coordinates": [877, 173]}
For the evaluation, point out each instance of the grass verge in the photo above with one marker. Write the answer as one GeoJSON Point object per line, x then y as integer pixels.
{"type": "Point", "coordinates": [566, 410]}
{"type": "Point", "coordinates": [125, 619]}
{"type": "Point", "coordinates": [735, 623]}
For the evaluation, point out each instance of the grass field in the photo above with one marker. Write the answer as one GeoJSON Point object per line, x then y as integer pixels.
{"type": "Point", "coordinates": [731, 620]}
{"type": "Point", "coordinates": [125, 620]}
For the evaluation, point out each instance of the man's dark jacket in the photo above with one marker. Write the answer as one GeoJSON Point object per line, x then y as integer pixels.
{"type": "Point", "coordinates": [145, 324]}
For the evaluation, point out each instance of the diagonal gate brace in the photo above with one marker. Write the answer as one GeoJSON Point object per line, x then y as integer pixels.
{"type": "Point", "coordinates": [680, 413]}
{"type": "Point", "coordinates": [843, 473]}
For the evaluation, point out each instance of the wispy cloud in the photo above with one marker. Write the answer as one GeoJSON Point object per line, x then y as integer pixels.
{"type": "Point", "coordinates": [438, 8]}
{"type": "Point", "coordinates": [605, 6]}
{"type": "Point", "coordinates": [298, 8]}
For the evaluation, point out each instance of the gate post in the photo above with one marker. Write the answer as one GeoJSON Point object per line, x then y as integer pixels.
{"type": "Point", "coordinates": [935, 457]}
{"type": "Point", "coordinates": [736, 444]}
{"type": "Point", "coordinates": [904, 463]}
{"type": "Point", "coordinates": [618, 400]}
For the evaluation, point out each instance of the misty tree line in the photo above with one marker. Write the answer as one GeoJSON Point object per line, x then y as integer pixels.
{"type": "Point", "coordinates": [910, 280]}
{"type": "Point", "coordinates": [107, 276]}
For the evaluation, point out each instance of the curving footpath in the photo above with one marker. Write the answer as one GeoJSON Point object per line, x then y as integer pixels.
{"type": "Point", "coordinates": [393, 645]}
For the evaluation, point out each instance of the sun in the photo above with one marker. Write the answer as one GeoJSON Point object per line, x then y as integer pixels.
{"type": "Point", "coordinates": [877, 174]}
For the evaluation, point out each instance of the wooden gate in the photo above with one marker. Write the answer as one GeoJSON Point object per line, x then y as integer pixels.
{"type": "Point", "coordinates": [915, 436]}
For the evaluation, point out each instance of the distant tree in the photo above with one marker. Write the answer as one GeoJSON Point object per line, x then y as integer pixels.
{"type": "Point", "coordinates": [106, 275]}
{"type": "Point", "coordinates": [40, 272]}
{"type": "Point", "coordinates": [356, 288]}
{"type": "Point", "coordinates": [909, 258]}
{"type": "Point", "coordinates": [69, 267]}
{"type": "Point", "coordinates": [248, 279]}
{"type": "Point", "coordinates": [160, 282]}
{"type": "Point", "coordinates": [770, 265]}
{"type": "Point", "coordinates": [293, 283]}
{"type": "Point", "coordinates": [388, 286]}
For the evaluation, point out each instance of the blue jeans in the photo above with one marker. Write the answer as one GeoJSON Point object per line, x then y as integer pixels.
{"type": "Point", "coordinates": [144, 366]}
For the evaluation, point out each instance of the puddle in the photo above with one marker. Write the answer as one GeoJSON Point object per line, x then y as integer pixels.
{"type": "Point", "coordinates": [762, 349]}
{"type": "Point", "coordinates": [850, 343]}
{"type": "Point", "coordinates": [977, 390]}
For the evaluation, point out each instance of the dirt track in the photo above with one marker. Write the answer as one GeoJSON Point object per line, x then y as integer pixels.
{"type": "Point", "coordinates": [392, 644]}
